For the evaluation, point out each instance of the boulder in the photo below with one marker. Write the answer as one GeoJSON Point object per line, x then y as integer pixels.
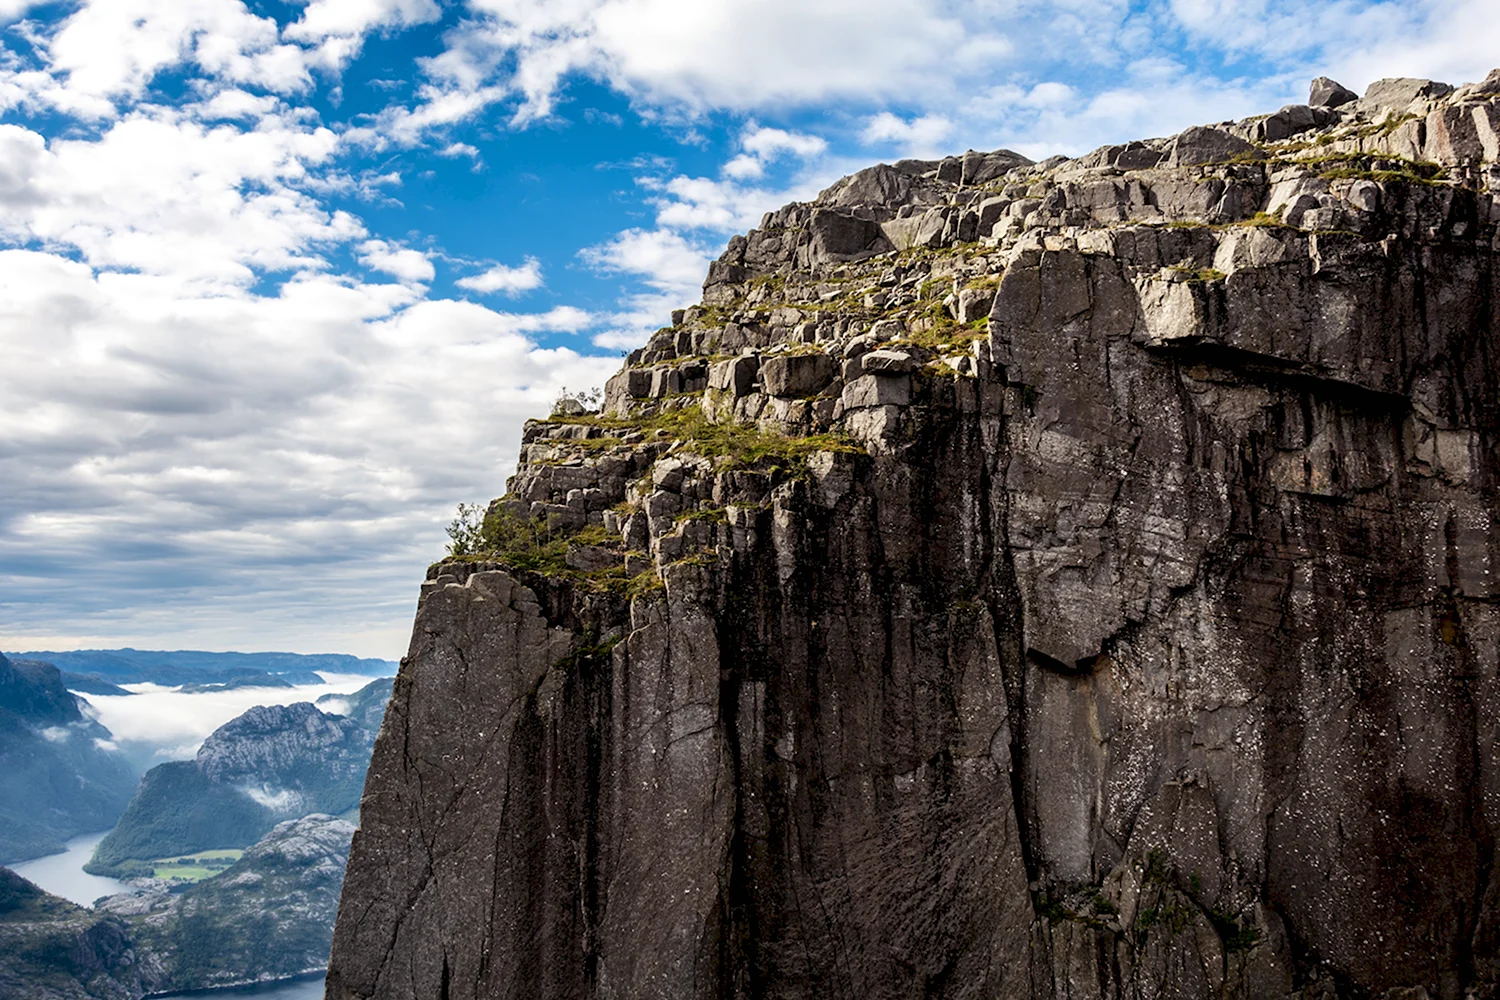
{"type": "Point", "coordinates": [1209, 145]}
{"type": "Point", "coordinates": [839, 236]}
{"type": "Point", "coordinates": [1399, 92]}
{"type": "Point", "coordinates": [796, 375]}
{"type": "Point", "coordinates": [734, 376]}
{"type": "Point", "coordinates": [1326, 93]}
{"type": "Point", "coordinates": [979, 168]}
{"type": "Point", "coordinates": [1292, 120]}
{"type": "Point", "coordinates": [887, 362]}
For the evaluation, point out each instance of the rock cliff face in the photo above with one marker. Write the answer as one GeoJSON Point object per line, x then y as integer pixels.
{"type": "Point", "coordinates": [1066, 579]}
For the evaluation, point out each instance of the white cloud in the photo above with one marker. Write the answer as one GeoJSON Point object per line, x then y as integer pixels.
{"type": "Point", "coordinates": [398, 261]}
{"type": "Point", "coordinates": [763, 145]}
{"type": "Point", "coordinates": [10, 10]}
{"type": "Point", "coordinates": [921, 136]}
{"type": "Point", "coordinates": [506, 280]}
{"type": "Point", "coordinates": [109, 50]}
{"type": "Point", "coordinates": [166, 195]}
{"type": "Point", "coordinates": [354, 18]}
{"type": "Point", "coordinates": [255, 458]}
{"type": "Point", "coordinates": [768, 143]}
{"type": "Point", "coordinates": [669, 265]}
{"type": "Point", "coordinates": [694, 55]}
{"type": "Point", "coordinates": [743, 167]}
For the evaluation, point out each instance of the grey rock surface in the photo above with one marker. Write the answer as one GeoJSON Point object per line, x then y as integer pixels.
{"type": "Point", "coordinates": [1133, 637]}
{"type": "Point", "coordinates": [1326, 93]}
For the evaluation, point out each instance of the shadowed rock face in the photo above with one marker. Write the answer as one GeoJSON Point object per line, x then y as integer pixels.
{"type": "Point", "coordinates": [1110, 615]}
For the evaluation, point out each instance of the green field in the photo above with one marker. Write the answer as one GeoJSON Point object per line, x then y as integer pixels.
{"type": "Point", "coordinates": [194, 867]}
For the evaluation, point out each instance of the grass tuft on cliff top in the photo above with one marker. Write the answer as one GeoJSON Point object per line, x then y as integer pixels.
{"type": "Point", "coordinates": [733, 445]}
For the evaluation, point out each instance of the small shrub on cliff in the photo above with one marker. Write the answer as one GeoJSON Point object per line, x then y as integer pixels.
{"type": "Point", "coordinates": [465, 529]}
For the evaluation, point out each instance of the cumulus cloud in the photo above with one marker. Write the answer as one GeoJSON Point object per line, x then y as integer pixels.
{"type": "Point", "coordinates": [670, 266]}
{"type": "Point", "coordinates": [109, 50]}
{"type": "Point", "coordinates": [768, 143]}
{"type": "Point", "coordinates": [918, 136]}
{"type": "Point", "coordinates": [506, 280]}
{"type": "Point", "coordinates": [305, 447]}
{"type": "Point", "coordinates": [352, 19]}
{"type": "Point", "coordinates": [396, 260]}
{"type": "Point", "coordinates": [693, 55]}
{"type": "Point", "coordinates": [119, 199]}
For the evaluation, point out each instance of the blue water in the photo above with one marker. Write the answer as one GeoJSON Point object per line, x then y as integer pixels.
{"type": "Point", "coordinates": [63, 874]}
{"type": "Point", "coordinates": [304, 988]}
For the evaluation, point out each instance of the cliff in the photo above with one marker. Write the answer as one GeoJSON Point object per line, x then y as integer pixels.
{"type": "Point", "coordinates": [1064, 579]}
{"type": "Point", "coordinates": [271, 763]}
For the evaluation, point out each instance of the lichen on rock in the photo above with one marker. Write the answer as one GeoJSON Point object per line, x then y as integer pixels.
{"type": "Point", "coordinates": [1045, 580]}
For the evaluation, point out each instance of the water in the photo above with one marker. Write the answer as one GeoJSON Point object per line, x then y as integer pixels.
{"type": "Point", "coordinates": [302, 988]}
{"type": "Point", "coordinates": [63, 874]}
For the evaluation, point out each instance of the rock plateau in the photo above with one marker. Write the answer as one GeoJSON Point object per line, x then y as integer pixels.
{"type": "Point", "coordinates": [1071, 579]}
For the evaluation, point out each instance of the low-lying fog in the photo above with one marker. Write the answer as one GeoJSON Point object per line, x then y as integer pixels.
{"type": "Point", "coordinates": [158, 724]}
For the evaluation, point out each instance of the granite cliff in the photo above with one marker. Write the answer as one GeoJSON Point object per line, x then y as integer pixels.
{"type": "Point", "coordinates": [1070, 579]}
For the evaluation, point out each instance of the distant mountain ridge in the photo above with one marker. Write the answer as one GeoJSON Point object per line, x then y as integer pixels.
{"type": "Point", "coordinates": [59, 774]}
{"type": "Point", "coordinates": [198, 667]}
{"type": "Point", "coordinates": [269, 764]}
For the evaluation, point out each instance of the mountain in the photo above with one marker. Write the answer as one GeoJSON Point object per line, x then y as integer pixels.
{"type": "Point", "coordinates": [59, 774]}
{"type": "Point", "coordinates": [51, 949]}
{"type": "Point", "coordinates": [1063, 579]}
{"type": "Point", "coordinates": [203, 669]}
{"type": "Point", "coordinates": [272, 763]}
{"type": "Point", "coordinates": [268, 916]}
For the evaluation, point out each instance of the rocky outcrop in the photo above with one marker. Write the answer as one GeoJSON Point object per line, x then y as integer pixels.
{"type": "Point", "coordinates": [270, 764]}
{"type": "Point", "coordinates": [1072, 583]}
{"type": "Point", "coordinates": [268, 916]}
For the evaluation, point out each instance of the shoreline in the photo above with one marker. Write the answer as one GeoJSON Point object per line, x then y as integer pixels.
{"type": "Point", "coordinates": [243, 988]}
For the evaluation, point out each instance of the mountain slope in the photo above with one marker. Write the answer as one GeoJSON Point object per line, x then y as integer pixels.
{"type": "Point", "coordinates": [59, 776]}
{"type": "Point", "coordinates": [1064, 579]}
{"type": "Point", "coordinates": [269, 764]}
{"type": "Point", "coordinates": [268, 916]}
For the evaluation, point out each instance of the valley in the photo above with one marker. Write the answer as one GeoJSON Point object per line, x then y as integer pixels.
{"type": "Point", "coordinates": [220, 870]}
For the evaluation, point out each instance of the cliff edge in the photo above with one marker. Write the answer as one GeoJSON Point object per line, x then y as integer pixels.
{"type": "Point", "coordinates": [1060, 580]}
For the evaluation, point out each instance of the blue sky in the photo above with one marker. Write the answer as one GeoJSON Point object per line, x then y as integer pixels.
{"type": "Point", "coordinates": [279, 282]}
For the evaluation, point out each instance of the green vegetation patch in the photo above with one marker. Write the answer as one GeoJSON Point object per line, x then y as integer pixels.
{"type": "Point", "coordinates": [194, 867]}
{"type": "Point", "coordinates": [732, 445]}
{"type": "Point", "coordinates": [1199, 274]}
{"type": "Point", "coordinates": [1384, 167]}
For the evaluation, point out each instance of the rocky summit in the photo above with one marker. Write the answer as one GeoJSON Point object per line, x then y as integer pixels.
{"type": "Point", "coordinates": [1072, 579]}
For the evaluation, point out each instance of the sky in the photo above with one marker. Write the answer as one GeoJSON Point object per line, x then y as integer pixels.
{"type": "Point", "coordinates": [281, 281]}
